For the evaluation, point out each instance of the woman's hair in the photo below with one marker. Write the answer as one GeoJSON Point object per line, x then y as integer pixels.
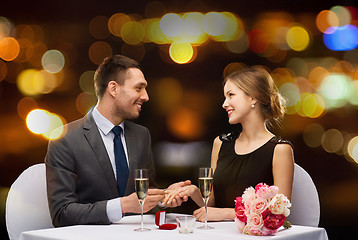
{"type": "Point", "coordinates": [107, 71]}
{"type": "Point", "coordinates": [257, 82]}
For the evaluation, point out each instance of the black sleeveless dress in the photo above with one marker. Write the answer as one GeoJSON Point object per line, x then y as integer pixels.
{"type": "Point", "coordinates": [236, 172]}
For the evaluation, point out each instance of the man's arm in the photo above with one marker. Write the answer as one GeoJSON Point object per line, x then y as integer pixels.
{"type": "Point", "coordinates": [61, 177]}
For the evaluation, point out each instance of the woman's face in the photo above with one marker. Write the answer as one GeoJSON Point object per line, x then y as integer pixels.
{"type": "Point", "coordinates": [237, 103]}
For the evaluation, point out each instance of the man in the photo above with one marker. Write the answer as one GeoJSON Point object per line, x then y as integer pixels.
{"type": "Point", "coordinates": [90, 170]}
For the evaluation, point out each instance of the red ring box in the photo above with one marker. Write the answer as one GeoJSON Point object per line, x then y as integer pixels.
{"type": "Point", "coordinates": [160, 218]}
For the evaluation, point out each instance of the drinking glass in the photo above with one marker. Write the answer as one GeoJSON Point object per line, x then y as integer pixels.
{"type": "Point", "coordinates": [141, 188]}
{"type": "Point", "coordinates": [205, 186]}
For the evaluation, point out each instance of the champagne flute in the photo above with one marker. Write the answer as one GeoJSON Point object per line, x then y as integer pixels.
{"type": "Point", "coordinates": [205, 186]}
{"type": "Point", "coordinates": [141, 187]}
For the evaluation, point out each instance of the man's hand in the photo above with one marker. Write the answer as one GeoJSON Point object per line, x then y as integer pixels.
{"type": "Point", "coordinates": [131, 204]}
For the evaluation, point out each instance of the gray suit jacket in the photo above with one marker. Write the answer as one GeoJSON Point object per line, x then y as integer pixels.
{"type": "Point", "coordinates": [80, 177]}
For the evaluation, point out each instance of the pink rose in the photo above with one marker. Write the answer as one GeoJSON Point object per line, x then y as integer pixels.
{"type": "Point", "coordinates": [258, 205]}
{"type": "Point", "coordinates": [273, 221]}
{"type": "Point", "coordinates": [240, 210]}
{"type": "Point", "coordinates": [255, 221]}
{"type": "Point", "coordinates": [265, 191]}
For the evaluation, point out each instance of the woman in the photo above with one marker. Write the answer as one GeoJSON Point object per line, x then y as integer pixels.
{"type": "Point", "coordinates": [250, 156]}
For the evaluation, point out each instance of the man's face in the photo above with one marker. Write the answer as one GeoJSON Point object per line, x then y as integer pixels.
{"type": "Point", "coordinates": [132, 94]}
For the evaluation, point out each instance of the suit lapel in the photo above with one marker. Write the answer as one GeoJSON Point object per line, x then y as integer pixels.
{"type": "Point", "coordinates": [94, 138]}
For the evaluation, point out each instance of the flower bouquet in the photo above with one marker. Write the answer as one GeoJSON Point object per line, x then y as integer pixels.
{"type": "Point", "coordinates": [261, 210]}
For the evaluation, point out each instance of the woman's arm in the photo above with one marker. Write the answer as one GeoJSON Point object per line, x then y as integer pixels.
{"type": "Point", "coordinates": [283, 168]}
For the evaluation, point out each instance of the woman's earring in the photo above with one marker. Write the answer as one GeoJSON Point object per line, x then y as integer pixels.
{"type": "Point", "coordinates": [253, 106]}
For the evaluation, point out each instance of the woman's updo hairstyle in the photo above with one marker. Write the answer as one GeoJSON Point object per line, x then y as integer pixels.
{"type": "Point", "coordinates": [257, 82]}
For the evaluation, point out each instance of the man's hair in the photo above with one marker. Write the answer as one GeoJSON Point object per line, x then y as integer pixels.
{"type": "Point", "coordinates": [113, 68]}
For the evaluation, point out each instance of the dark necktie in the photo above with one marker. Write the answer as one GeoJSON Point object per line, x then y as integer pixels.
{"type": "Point", "coordinates": [121, 161]}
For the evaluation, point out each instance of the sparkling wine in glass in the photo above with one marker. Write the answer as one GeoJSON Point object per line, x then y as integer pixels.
{"type": "Point", "coordinates": [205, 186]}
{"type": "Point", "coordinates": [141, 181]}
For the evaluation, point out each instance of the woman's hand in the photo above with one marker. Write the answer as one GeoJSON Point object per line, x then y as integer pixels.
{"type": "Point", "coordinates": [215, 214]}
{"type": "Point", "coordinates": [171, 195]}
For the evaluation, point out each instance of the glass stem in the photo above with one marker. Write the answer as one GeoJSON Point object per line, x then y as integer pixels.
{"type": "Point", "coordinates": [141, 218]}
{"type": "Point", "coordinates": [206, 212]}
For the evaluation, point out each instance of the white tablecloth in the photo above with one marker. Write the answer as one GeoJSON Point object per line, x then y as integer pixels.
{"type": "Point", "coordinates": [124, 230]}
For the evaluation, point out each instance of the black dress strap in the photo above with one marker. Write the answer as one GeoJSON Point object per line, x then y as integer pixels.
{"type": "Point", "coordinates": [280, 140]}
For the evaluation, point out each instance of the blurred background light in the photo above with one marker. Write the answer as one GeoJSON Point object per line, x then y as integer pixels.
{"type": "Point", "coordinates": [214, 23]}
{"type": "Point", "coordinates": [9, 48]}
{"type": "Point", "coordinates": [116, 22]}
{"type": "Point", "coordinates": [341, 38]}
{"type": "Point", "coordinates": [291, 92]}
{"type": "Point", "coordinates": [332, 140]}
{"type": "Point", "coordinates": [192, 30]}
{"type": "Point", "coordinates": [98, 51]}
{"type": "Point", "coordinates": [343, 15]}
{"type": "Point", "coordinates": [171, 24]}
{"type": "Point", "coordinates": [336, 90]}
{"type": "Point", "coordinates": [258, 40]}
{"type": "Point", "coordinates": [325, 20]}
{"type": "Point", "coordinates": [297, 38]}
{"type": "Point", "coordinates": [25, 105]}
{"type": "Point", "coordinates": [239, 45]}
{"type": "Point", "coordinates": [53, 61]}
{"type": "Point", "coordinates": [185, 123]}
{"type": "Point", "coordinates": [86, 82]}
{"type": "Point", "coordinates": [98, 27]}
{"type": "Point", "coordinates": [181, 52]}
{"type": "Point", "coordinates": [132, 33]}
{"type": "Point", "coordinates": [353, 148]}
{"type": "Point", "coordinates": [84, 102]}
{"type": "Point", "coordinates": [38, 121]}
{"type": "Point", "coordinates": [6, 27]}
{"type": "Point", "coordinates": [312, 135]}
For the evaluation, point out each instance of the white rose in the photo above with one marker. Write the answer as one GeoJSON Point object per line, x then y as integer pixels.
{"type": "Point", "coordinates": [280, 204]}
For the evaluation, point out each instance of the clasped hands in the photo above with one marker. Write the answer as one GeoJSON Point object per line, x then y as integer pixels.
{"type": "Point", "coordinates": [170, 197]}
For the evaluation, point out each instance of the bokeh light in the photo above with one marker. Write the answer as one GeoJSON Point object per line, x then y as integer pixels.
{"type": "Point", "coordinates": [343, 15]}
{"type": "Point", "coordinates": [116, 22]}
{"type": "Point", "coordinates": [214, 23]}
{"type": "Point", "coordinates": [38, 121]}
{"type": "Point", "coordinates": [86, 82]}
{"type": "Point", "coordinates": [326, 19]}
{"type": "Point", "coordinates": [98, 51]}
{"type": "Point", "coordinates": [336, 89]}
{"type": "Point", "coordinates": [312, 135]}
{"type": "Point", "coordinates": [192, 30]}
{"type": "Point", "coordinates": [181, 52]}
{"type": "Point", "coordinates": [332, 140]}
{"type": "Point", "coordinates": [49, 125]}
{"type": "Point", "coordinates": [98, 27]}
{"type": "Point", "coordinates": [297, 38]}
{"type": "Point", "coordinates": [53, 61]}
{"type": "Point", "coordinates": [341, 38]}
{"type": "Point", "coordinates": [25, 105]}
{"type": "Point", "coordinates": [9, 48]}
{"type": "Point", "coordinates": [132, 33]}
{"type": "Point", "coordinates": [32, 82]}
{"type": "Point", "coordinates": [171, 24]}
{"type": "Point", "coordinates": [85, 101]}
{"type": "Point", "coordinates": [353, 148]}
{"type": "Point", "coordinates": [169, 94]}
{"type": "Point", "coordinates": [185, 123]}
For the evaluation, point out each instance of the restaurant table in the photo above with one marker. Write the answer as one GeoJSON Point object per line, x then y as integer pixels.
{"type": "Point", "coordinates": [123, 230]}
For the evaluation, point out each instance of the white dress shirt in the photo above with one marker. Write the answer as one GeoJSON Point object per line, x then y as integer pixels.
{"type": "Point", "coordinates": [114, 210]}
